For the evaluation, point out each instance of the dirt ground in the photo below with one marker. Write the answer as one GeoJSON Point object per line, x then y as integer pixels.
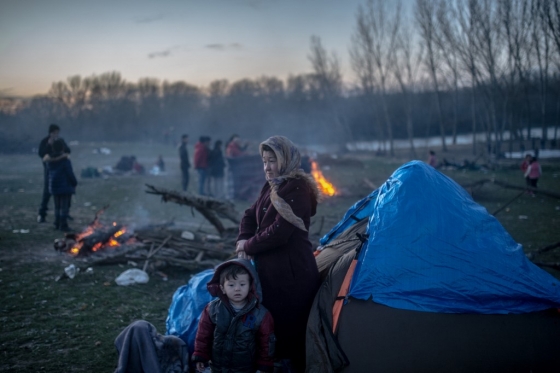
{"type": "Point", "coordinates": [70, 325]}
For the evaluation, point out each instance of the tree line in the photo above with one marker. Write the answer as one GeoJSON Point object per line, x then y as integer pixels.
{"type": "Point", "coordinates": [436, 68]}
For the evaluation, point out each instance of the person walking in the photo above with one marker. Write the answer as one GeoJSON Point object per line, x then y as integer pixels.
{"type": "Point", "coordinates": [533, 173]}
{"type": "Point", "coordinates": [185, 162]}
{"type": "Point", "coordinates": [216, 165]}
{"type": "Point", "coordinates": [45, 147]}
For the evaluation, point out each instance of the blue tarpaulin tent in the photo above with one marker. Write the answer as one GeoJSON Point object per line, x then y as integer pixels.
{"type": "Point", "coordinates": [431, 247]}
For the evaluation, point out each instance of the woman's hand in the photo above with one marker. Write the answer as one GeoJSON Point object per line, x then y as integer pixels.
{"type": "Point", "coordinates": [200, 366]}
{"type": "Point", "coordinates": [240, 250]}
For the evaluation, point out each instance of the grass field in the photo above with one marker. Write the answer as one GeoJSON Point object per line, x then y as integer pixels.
{"type": "Point", "coordinates": [70, 325]}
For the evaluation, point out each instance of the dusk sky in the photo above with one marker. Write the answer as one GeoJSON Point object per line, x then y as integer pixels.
{"type": "Point", "coordinates": [196, 41]}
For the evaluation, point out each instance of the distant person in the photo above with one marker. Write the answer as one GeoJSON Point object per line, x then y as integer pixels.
{"type": "Point", "coordinates": [201, 162]}
{"type": "Point", "coordinates": [234, 149]}
{"type": "Point", "coordinates": [160, 163]}
{"type": "Point", "coordinates": [185, 162]}
{"type": "Point", "coordinates": [432, 159]}
{"type": "Point", "coordinates": [45, 147]}
{"type": "Point", "coordinates": [62, 183]}
{"type": "Point", "coordinates": [533, 173]}
{"type": "Point", "coordinates": [525, 166]}
{"type": "Point", "coordinates": [235, 332]}
{"type": "Point", "coordinates": [216, 166]}
{"type": "Point", "coordinates": [137, 167]}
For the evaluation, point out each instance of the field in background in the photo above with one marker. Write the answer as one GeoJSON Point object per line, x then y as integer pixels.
{"type": "Point", "coordinates": [70, 325]}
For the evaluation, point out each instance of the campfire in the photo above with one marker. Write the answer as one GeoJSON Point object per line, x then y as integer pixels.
{"type": "Point", "coordinates": [324, 185]}
{"type": "Point", "coordinates": [94, 237]}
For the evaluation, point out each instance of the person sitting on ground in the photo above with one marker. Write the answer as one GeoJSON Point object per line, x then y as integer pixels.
{"type": "Point", "coordinates": [62, 183]}
{"type": "Point", "coordinates": [235, 332]}
{"type": "Point", "coordinates": [432, 159]}
{"type": "Point", "coordinates": [533, 173]}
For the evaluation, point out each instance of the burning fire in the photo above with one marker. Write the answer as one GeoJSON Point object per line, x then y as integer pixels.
{"type": "Point", "coordinates": [324, 185]}
{"type": "Point", "coordinates": [112, 241]}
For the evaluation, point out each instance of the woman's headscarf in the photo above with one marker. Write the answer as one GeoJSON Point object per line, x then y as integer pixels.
{"type": "Point", "coordinates": [289, 162]}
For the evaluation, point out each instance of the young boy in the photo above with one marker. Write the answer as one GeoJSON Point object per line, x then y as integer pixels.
{"type": "Point", "coordinates": [62, 183]}
{"type": "Point", "coordinates": [235, 333]}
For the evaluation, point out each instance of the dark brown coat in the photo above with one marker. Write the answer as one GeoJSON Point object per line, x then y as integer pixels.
{"type": "Point", "coordinates": [285, 263]}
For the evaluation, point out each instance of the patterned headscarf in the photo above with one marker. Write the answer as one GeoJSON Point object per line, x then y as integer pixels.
{"type": "Point", "coordinates": [289, 162]}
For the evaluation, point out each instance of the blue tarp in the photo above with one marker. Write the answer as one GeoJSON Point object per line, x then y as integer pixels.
{"type": "Point", "coordinates": [431, 247]}
{"type": "Point", "coordinates": [186, 307]}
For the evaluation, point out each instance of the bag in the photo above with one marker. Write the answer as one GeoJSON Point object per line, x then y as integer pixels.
{"type": "Point", "coordinates": [187, 306]}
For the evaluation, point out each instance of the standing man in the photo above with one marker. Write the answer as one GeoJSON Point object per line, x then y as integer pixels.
{"type": "Point", "coordinates": [45, 148]}
{"type": "Point", "coordinates": [185, 163]}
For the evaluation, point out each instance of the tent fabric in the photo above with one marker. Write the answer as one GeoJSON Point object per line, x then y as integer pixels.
{"type": "Point", "coordinates": [431, 247]}
{"type": "Point", "coordinates": [375, 338]}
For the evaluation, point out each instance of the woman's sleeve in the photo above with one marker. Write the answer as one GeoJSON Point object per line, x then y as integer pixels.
{"type": "Point", "coordinates": [248, 225]}
{"type": "Point", "coordinates": [278, 233]}
{"type": "Point", "coordinates": [204, 338]}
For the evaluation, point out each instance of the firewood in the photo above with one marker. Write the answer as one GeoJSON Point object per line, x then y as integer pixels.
{"type": "Point", "coordinates": [210, 208]}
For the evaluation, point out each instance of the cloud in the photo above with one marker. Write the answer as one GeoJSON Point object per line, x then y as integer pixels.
{"type": "Point", "coordinates": [148, 19]}
{"type": "Point", "coordinates": [166, 52]}
{"type": "Point", "coordinates": [223, 47]}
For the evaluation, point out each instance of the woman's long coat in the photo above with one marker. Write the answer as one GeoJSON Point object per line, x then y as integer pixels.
{"type": "Point", "coordinates": [284, 260]}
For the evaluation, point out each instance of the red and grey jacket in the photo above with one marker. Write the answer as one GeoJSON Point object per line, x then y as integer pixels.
{"type": "Point", "coordinates": [240, 342]}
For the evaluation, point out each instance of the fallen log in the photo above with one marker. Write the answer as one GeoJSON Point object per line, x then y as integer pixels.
{"type": "Point", "coordinates": [210, 208]}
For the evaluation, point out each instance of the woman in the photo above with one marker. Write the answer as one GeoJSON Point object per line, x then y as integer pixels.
{"type": "Point", "coordinates": [274, 231]}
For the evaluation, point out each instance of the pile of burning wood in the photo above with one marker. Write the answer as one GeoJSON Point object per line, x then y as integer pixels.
{"type": "Point", "coordinates": [157, 245]}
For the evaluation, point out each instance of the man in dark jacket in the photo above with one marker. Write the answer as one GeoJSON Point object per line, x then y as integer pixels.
{"type": "Point", "coordinates": [235, 332]}
{"type": "Point", "coordinates": [45, 147]}
{"type": "Point", "coordinates": [62, 184]}
{"type": "Point", "coordinates": [185, 162]}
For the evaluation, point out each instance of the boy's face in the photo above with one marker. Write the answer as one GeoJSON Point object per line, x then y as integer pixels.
{"type": "Point", "coordinates": [236, 289]}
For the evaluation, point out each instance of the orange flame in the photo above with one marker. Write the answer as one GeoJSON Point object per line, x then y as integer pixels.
{"type": "Point", "coordinates": [324, 185]}
{"type": "Point", "coordinates": [90, 230]}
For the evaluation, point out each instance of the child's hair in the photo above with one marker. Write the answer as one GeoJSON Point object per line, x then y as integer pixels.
{"type": "Point", "coordinates": [231, 272]}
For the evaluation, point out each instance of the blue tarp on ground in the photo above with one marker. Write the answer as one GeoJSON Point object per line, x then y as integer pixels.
{"type": "Point", "coordinates": [187, 306]}
{"type": "Point", "coordinates": [432, 248]}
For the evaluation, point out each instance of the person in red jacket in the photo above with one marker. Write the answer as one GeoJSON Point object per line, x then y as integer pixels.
{"type": "Point", "coordinates": [201, 152]}
{"type": "Point", "coordinates": [533, 173]}
{"type": "Point", "coordinates": [235, 332]}
{"type": "Point", "coordinates": [274, 231]}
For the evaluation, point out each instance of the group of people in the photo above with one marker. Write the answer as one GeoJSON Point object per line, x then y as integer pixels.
{"type": "Point", "coordinates": [58, 178]}
{"type": "Point", "coordinates": [210, 163]}
{"type": "Point", "coordinates": [258, 321]}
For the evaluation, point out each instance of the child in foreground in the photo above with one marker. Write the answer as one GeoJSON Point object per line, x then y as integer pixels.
{"type": "Point", "coordinates": [235, 332]}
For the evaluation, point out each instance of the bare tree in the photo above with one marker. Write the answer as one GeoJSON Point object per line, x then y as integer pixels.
{"type": "Point", "coordinates": [329, 79]}
{"type": "Point", "coordinates": [426, 20]}
{"type": "Point", "coordinates": [460, 33]}
{"type": "Point", "coordinates": [450, 57]}
{"type": "Point", "coordinates": [405, 63]}
{"type": "Point", "coordinates": [542, 42]}
{"type": "Point", "coordinates": [373, 48]}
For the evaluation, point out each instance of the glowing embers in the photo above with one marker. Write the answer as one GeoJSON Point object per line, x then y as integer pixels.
{"type": "Point", "coordinates": [325, 186]}
{"type": "Point", "coordinates": [94, 238]}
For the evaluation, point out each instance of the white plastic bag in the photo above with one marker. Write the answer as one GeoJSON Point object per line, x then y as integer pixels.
{"type": "Point", "coordinates": [132, 276]}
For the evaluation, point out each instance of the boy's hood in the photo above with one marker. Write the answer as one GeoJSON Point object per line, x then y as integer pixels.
{"type": "Point", "coordinates": [214, 284]}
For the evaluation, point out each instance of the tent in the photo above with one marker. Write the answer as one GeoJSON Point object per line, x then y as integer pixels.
{"type": "Point", "coordinates": [438, 285]}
